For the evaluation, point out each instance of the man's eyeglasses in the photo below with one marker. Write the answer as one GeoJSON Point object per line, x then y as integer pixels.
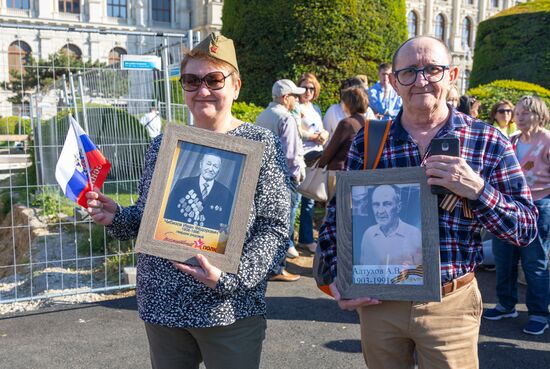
{"type": "Point", "coordinates": [432, 73]}
{"type": "Point", "coordinates": [504, 111]}
{"type": "Point", "coordinates": [213, 81]}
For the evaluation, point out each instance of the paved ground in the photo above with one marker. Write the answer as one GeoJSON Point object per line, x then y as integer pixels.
{"type": "Point", "coordinates": [305, 330]}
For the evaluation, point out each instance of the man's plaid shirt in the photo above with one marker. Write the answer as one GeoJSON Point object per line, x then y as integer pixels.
{"type": "Point", "coordinates": [505, 207]}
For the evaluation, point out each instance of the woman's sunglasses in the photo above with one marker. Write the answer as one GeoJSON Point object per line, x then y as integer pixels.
{"type": "Point", "coordinates": [213, 81]}
{"type": "Point", "coordinates": [502, 111]}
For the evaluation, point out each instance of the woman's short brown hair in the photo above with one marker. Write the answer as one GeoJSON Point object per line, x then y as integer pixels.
{"type": "Point", "coordinates": [310, 77]}
{"type": "Point", "coordinates": [356, 99]}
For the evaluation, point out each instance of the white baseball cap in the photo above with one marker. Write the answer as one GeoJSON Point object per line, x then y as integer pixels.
{"type": "Point", "coordinates": [286, 87]}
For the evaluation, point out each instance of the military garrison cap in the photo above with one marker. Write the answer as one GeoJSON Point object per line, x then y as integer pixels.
{"type": "Point", "coordinates": [219, 47]}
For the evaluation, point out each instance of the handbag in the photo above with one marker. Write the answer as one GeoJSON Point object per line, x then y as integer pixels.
{"type": "Point", "coordinates": [314, 185]}
{"type": "Point", "coordinates": [375, 135]}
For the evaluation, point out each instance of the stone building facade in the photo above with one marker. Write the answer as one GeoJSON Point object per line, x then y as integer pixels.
{"type": "Point", "coordinates": [455, 22]}
{"type": "Point", "coordinates": [172, 16]}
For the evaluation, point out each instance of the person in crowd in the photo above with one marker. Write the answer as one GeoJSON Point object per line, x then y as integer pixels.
{"type": "Point", "coordinates": [363, 79]}
{"type": "Point", "coordinates": [201, 200]}
{"type": "Point", "coordinates": [492, 185]}
{"type": "Point", "coordinates": [335, 113]}
{"type": "Point", "coordinates": [355, 102]}
{"type": "Point", "coordinates": [369, 114]}
{"type": "Point", "coordinates": [453, 96]}
{"type": "Point", "coordinates": [502, 117]}
{"type": "Point", "coordinates": [532, 147]}
{"type": "Point", "coordinates": [391, 241]}
{"type": "Point", "coordinates": [469, 106]}
{"type": "Point", "coordinates": [152, 123]}
{"type": "Point", "coordinates": [383, 99]}
{"type": "Point", "coordinates": [278, 118]}
{"type": "Point", "coordinates": [200, 313]}
{"type": "Point", "coordinates": [314, 137]}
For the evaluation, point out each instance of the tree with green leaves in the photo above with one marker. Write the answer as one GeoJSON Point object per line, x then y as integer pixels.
{"type": "Point", "coordinates": [334, 39]}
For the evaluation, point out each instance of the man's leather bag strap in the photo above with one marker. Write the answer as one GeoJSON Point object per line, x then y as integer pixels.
{"type": "Point", "coordinates": [375, 135]}
{"type": "Point", "coordinates": [376, 132]}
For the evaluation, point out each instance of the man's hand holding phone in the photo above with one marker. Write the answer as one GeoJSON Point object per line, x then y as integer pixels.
{"type": "Point", "coordinates": [448, 172]}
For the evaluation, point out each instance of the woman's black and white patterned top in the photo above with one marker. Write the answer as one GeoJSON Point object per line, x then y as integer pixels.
{"type": "Point", "coordinates": [171, 298]}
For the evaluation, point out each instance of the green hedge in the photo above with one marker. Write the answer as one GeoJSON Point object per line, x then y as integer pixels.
{"type": "Point", "coordinates": [493, 92]}
{"type": "Point", "coordinates": [514, 44]}
{"type": "Point", "coordinates": [246, 112]}
{"type": "Point", "coordinates": [334, 39]}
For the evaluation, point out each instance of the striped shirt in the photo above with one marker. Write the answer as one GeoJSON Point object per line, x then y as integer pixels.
{"type": "Point", "coordinates": [505, 207]}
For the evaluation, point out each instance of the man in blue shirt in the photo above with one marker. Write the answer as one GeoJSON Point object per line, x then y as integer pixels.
{"type": "Point", "coordinates": [383, 99]}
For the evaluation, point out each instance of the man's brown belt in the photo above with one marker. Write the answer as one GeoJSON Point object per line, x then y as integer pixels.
{"type": "Point", "coordinates": [457, 283]}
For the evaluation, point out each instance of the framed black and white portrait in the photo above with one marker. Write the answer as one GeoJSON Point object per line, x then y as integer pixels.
{"type": "Point", "coordinates": [388, 235]}
{"type": "Point", "coordinates": [202, 181]}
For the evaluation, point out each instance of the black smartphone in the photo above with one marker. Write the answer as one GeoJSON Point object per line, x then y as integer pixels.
{"type": "Point", "coordinates": [449, 146]}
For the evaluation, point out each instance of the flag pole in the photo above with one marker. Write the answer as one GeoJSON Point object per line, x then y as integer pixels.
{"type": "Point", "coordinates": [80, 146]}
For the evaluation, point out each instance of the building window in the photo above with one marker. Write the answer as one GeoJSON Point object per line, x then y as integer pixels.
{"type": "Point", "coordinates": [114, 55]}
{"type": "Point", "coordinates": [18, 4]}
{"type": "Point", "coordinates": [72, 50]}
{"type": "Point", "coordinates": [116, 8]}
{"type": "Point", "coordinates": [467, 33]}
{"type": "Point", "coordinates": [440, 27]}
{"type": "Point", "coordinates": [412, 24]}
{"type": "Point", "coordinates": [162, 10]}
{"type": "Point", "coordinates": [19, 55]}
{"type": "Point", "coordinates": [469, 2]}
{"type": "Point", "coordinates": [494, 3]}
{"type": "Point", "coordinates": [69, 6]}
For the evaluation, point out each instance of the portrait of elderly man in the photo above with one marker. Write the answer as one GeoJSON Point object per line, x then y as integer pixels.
{"type": "Point", "coordinates": [391, 241]}
{"type": "Point", "coordinates": [201, 200]}
{"type": "Point", "coordinates": [491, 192]}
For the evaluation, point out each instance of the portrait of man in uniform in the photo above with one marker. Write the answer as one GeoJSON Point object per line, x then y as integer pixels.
{"type": "Point", "coordinates": [391, 240]}
{"type": "Point", "coordinates": [201, 200]}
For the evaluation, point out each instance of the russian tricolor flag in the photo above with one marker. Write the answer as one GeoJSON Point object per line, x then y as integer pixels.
{"type": "Point", "coordinates": [80, 166]}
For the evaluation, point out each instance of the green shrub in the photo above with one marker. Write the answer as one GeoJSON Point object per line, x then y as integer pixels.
{"type": "Point", "coordinates": [514, 44]}
{"type": "Point", "coordinates": [334, 39]}
{"type": "Point", "coordinates": [51, 202]}
{"type": "Point", "coordinates": [14, 126]}
{"type": "Point", "coordinates": [493, 92]}
{"type": "Point", "coordinates": [246, 112]}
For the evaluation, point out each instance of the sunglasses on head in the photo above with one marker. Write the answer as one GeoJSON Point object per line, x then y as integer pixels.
{"type": "Point", "coordinates": [213, 81]}
{"type": "Point", "coordinates": [502, 111]}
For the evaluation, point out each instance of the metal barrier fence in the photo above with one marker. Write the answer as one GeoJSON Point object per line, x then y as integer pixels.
{"type": "Point", "coordinates": [48, 246]}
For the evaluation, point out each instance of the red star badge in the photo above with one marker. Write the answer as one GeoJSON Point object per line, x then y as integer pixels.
{"type": "Point", "coordinates": [198, 244]}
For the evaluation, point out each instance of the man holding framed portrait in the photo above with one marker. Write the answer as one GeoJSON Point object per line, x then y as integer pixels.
{"type": "Point", "coordinates": [488, 190]}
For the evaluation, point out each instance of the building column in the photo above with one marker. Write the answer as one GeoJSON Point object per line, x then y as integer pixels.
{"type": "Point", "coordinates": [456, 30]}
{"type": "Point", "coordinates": [3, 6]}
{"type": "Point", "coordinates": [173, 5]}
{"type": "Point", "coordinates": [428, 18]}
{"type": "Point", "coordinates": [482, 10]}
{"type": "Point", "coordinates": [96, 11]}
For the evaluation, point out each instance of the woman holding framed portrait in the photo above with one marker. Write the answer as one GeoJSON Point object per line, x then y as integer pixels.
{"type": "Point", "coordinates": [199, 313]}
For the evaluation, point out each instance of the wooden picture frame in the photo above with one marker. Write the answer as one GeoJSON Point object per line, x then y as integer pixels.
{"type": "Point", "coordinates": [200, 197]}
{"type": "Point", "coordinates": [387, 235]}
